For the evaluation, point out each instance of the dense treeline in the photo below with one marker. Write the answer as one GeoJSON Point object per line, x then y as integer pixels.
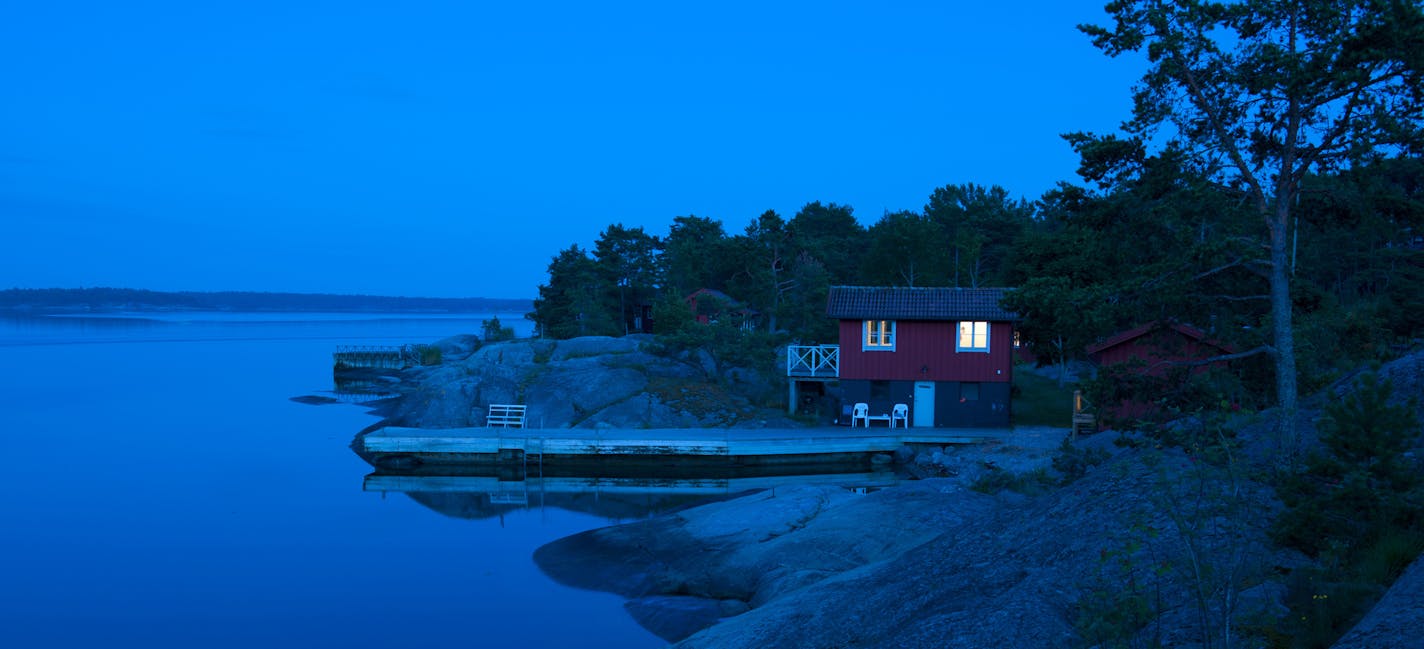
{"type": "Point", "coordinates": [777, 271]}
{"type": "Point", "coordinates": [104, 299]}
{"type": "Point", "coordinates": [1148, 238]}
{"type": "Point", "coordinates": [1155, 240]}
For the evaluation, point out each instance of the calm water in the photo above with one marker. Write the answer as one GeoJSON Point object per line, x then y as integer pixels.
{"type": "Point", "coordinates": [162, 491]}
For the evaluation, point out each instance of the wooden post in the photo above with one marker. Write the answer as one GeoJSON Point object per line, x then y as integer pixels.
{"type": "Point", "coordinates": [1081, 419]}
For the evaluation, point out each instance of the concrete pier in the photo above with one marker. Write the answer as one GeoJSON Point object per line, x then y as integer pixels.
{"type": "Point", "coordinates": [682, 445]}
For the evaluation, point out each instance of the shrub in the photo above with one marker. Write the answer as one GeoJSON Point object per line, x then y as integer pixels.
{"type": "Point", "coordinates": [1029, 483]}
{"type": "Point", "coordinates": [1358, 508]}
{"type": "Point", "coordinates": [1364, 485]}
{"type": "Point", "coordinates": [427, 354]}
{"type": "Point", "coordinates": [492, 331]}
{"type": "Point", "coordinates": [1072, 462]}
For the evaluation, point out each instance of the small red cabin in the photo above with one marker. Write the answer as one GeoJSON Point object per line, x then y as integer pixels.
{"type": "Point", "coordinates": [1156, 350]}
{"type": "Point", "coordinates": [947, 353]}
{"type": "Point", "coordinates": [709, 304]}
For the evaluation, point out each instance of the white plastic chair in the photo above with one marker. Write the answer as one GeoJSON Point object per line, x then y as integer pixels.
{"type": "Point", "coordinates": [861, 411]}
{"type": "Point", "coordinates": [900, 413]}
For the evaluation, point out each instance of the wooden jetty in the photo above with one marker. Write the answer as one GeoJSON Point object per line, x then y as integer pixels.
{"type": "Point", "coordinates": [372, 357]}
{"type": "Point", "coordinates": [662, 447]}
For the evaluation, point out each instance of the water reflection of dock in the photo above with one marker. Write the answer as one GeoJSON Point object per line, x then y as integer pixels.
{"type": "Point", "coordinates": [515, 491]}
{"type": "Point", "coordinates": [612, 497]}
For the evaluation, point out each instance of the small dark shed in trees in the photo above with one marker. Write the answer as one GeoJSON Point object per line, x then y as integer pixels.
{"type": "Point", "coordinates": [947, 353]}
{"type": "Point", "coordinates": [709, 305]}
{"type": "Point", "coordinates": [1151, 362]}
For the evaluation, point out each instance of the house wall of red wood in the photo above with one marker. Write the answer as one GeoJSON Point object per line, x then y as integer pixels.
{"type": "Point", "coordinates": [925, 351]}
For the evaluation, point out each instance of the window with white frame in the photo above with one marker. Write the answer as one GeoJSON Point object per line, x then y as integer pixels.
{"type": "Point", "coordinates": [973, 337]}
{"type": "Point", "coordinates": [879, 335]}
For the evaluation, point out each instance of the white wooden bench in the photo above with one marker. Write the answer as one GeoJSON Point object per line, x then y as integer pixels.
{"type": "Point", "coordinates": [505, 415]}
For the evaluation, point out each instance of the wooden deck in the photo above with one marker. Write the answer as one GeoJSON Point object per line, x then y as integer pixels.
{"type": "Point", "coordinates": [699, 445]}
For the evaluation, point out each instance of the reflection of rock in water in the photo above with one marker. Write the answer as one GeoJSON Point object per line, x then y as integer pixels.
{"type": "Point", "coordinates": [364, 390]}
{"type": "Point", "coordinates": [461, 505]}
{"type": "Point", "coordinates": [475, 496]}
{"type": "Point", "coordinates": [361, 385]}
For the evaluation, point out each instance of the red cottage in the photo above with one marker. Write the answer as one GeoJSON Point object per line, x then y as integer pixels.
{"type": "Point", "coordinates": [947, 353]}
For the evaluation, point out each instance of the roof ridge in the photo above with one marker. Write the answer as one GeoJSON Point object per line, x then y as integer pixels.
{"type": "Point", "coordinates": [918, 303]}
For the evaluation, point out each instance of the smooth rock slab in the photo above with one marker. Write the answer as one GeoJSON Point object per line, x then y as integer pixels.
{"type": "Point", "coordinates": [674, 617]}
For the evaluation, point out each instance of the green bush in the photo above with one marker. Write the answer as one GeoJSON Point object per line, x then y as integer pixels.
{"type": "Point", "coordinates": [1358, 507]}
{"type": "Point", "coordinates": [1111, 618]}
{"type": "Point", "coordinates": [492, 331]}
{"type": "Point", "coordinates": [1364, 486]}
{"type": "Point", "coordinates": [427, 354]}
{"type": "Point", "coordinates": [1029, 483]}
{"type": "Point", "coordinates": [1072, 462]}
{"type": "Point", "coordinates": [726, 341]}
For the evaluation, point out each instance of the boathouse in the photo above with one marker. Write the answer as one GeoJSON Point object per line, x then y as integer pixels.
{"type": "Point", "coordinates": [947, 353]}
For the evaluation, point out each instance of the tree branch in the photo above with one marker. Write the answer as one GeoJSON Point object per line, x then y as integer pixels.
{"type": "Point", "coordinates": [1235, 298]}
{"type": "Point", "coordinates": [1199, 99]}
{"type": "Point", "coordinates": [1256, 351]}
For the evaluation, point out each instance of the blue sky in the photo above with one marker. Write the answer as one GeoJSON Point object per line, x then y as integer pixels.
{"type": "Point", "coordinates": [452, 148]}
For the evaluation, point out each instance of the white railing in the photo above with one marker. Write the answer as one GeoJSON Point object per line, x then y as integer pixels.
{"type": "Point", "coordinates": [813, 360]}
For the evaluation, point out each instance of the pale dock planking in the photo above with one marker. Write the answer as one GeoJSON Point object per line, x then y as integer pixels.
{"type": "Point", "coordinates": [705, 445]}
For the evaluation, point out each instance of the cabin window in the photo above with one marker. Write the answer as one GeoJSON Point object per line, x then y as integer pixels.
{"type": "Point", "coordinates": [1018, 342]}
{"type": "Point", "coordinates": [973, 337]}
{"type": "Point", "coordinates": [879, 390]}
{"type": "Point", "coordinates": [968, 392]}
{"type": "Point", "coordinates": [879, 335]}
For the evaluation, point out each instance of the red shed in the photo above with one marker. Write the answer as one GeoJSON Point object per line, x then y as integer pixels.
{"type": "Point", "coordinates": [1152, 350]}
{"type": "Point", "coordinates": [715, 305]}
{"type": "Point", "coordinates": [947, 353]}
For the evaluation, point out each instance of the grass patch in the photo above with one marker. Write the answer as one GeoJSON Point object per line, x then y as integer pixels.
{"type": "Point", "coordinates": [1038, 401]}
{"type": "Point", "coordinates": [1029, 483]}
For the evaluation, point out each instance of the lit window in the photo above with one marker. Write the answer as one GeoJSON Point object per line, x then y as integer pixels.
{"type": "Point", "coordinates": [973, 337]}
{"type": "Point", "coordinates": [1018, 342]}
{"type": "Point", "coordinates": [879, 335]}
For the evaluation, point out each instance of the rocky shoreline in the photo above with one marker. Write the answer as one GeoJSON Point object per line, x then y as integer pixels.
{"type": "Point", "coordinates": [592, 382]}
{"type": "Point", "coordinates": [1109, 542]}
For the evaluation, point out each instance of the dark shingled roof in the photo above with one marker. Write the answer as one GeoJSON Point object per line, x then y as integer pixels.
{"type": "Point", "coordinates": [877, 302]}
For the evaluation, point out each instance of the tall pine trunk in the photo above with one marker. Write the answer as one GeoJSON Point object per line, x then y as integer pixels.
{"type": "Point", "coordinates": [1283, 333]}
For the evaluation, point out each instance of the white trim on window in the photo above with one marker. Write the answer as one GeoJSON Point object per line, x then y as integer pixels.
{"type": "Point", "coordinates": [877, 336]}
{"type": "Point", "coordinates": [973, 337]}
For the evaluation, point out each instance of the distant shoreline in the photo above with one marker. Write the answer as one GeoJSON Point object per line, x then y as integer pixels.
{"type": "Point", "coordinates": [113, 300]}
